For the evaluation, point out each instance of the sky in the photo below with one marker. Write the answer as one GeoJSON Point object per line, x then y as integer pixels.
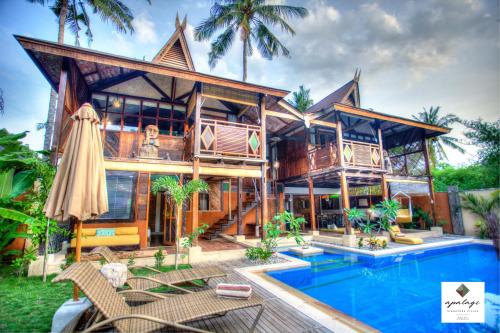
{"type": "Point", "coordinates": [412, 54]}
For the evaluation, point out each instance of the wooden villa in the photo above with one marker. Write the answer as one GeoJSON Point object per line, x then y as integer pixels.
{"type": "Point", "coordinates": [258, 154]}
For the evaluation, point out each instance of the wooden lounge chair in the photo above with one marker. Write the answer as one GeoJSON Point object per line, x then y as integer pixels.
{"type": "Point", "coordinates": [172, 312]}
{"type": "Point", "coordinates": [170, 279]}
{"type": "Point", "coordinates": [401, 238]}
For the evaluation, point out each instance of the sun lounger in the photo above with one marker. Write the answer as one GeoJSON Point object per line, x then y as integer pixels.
{"type": "Point", "coordinates": [170, 279]}
{"type": "Point", "coordinates": [172, 312]}
{"type": "Point", "coordinates": [401, 238]}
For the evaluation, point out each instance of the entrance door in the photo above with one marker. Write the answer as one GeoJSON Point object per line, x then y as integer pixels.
{"type": "Point", "coordinates": [169, 219]}
{"type": "Point", "coordinates": [162, 220]}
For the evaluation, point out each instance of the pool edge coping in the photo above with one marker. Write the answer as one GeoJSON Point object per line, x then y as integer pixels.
{"type": "Point", "coordinates": [323, 314]}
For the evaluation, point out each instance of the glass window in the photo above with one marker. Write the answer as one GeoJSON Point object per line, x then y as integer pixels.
{"type": "Point", "coordinates": [164, 126]}
{"type": "Point", "coordinates": [113, 122]}
{"type": "Point", "coordinates": [179, 112]}
{"type": "Point", "coordinates": [132, 106]}
{"type": "Point", "coordinates": [121, 188]}
{"type": "Point", "coordinates": [99, 104]}
{"type": "Point", "coordinates": [177, 128]}
{"type": "Point", "coordinates": [204, 202]}
{"type": "Point", "coordinates": [165, 110]}
{"type": "Point", "coordinates": [146, 122]}
{"type": "Point", "coordinates": [130, 123]}
{"type": "Point", "coordinates": [115, 104]}
{"type": "Point", "coordinates": [149, 109]}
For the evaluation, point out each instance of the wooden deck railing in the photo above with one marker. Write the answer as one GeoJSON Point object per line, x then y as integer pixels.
{"type": "Point", "coordinates": [229, 139]}
{"type": "Point", "coordinates": [361, 154]}
{"type": "Point", "coordinates": [355, 154]}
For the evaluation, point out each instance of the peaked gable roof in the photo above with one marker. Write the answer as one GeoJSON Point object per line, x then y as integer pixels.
{"type": "Point", "coordinates": [175, 52]}
{"type": "Point", "coordinates": [347, 94]}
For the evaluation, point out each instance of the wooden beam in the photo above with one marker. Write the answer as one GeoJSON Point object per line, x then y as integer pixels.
{"type": "Point", "coordinates": [65, 50]}
{"type": "Point", "coordinates": [155, 86]}
{"type": "Point", "coordinates": [229, 201]}
{"type": "Point", "coordinates": [291, 109]}
{"type": "Point", "coordinates": [263, 193]}
{"type": "Point", "coordinates": [196, 196]}
{"type": "Point", "coordinates": [240, 206]}
{"type": "Point", "coordinates": [340, 142]}
{"type": "Point", "coordinates": [243, 111]}
{"type": "Point", "coordinates": [381, 148]}
{"type": "Point", "coordinates": [380, 116]}
{"type": "Point", "coordinates": [385, 189]}
{"type": "Point", "coordinates": [323, 123]}
{"type": "Point", "coordinates": [107, 83]}
{"type": "Point", "coordinates": [191, 104]}
{"type": "Point", "coordinates": [61, 97]}
{"type": "Point", "coordinates": [263, 134]}
{"type": "Point", "coordinates": [230, 172]}
{"type": "Point", "coordinates": [146, 166]}
{"type": "Point", "coordinates": [227, 99]}
{"type": "Point", "coordinates": [197, 121]}
{"type": "Point", "coordinates": [281, 115]}
{"type": "Point", "coordinates": [344, 193]}
{"type": "Point", "coordinates": [312, 204]}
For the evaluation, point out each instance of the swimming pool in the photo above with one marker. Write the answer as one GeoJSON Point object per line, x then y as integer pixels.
{"type": "Point", "coordinates": [399, 293]}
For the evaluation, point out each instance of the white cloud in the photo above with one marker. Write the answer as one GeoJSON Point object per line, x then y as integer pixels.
{"type": "Point", "coordinates": [144, 29]}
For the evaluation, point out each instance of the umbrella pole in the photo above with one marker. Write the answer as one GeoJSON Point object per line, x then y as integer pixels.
{"type": "Point", "coordinates": [46, 252]}
{"type": "Point", "coordinates": [78, 253]}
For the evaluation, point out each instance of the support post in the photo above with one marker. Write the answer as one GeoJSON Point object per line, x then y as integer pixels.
{"type": "Point", "coordinates": [381, 147]}
{"type": "Point", "coordinates": [430, 180]}
{"type": "Point", "coordinates": [78, 253]}
{"type": "Point", "coordinates": [61, 96]}
{"type": "Point", "coordinates": [344, 193]}
{"type": "Point", "coordinates": [197, 121]}
{"type": "Point", "coordinates": [196, 196]}
{"type": "Point", "coordinates": [263, 189]}
{"type": "Point", "coordinates": [312, 205]}
{"type": "Point", "coordinates": [229, 201]}
{"type": "Point", "coordinates": [385, 189]}
{"type": "Point", "coordinates": [240, 206]}
{"type": "Point", "coordinates": [340, 142]}
{"type": "Point", "coordinates": [263, 193]}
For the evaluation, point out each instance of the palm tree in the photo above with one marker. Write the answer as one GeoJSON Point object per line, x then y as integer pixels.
{"type": "Point", "coordinates": [179, 193]}
{"type": "Point", "coordinates": [487, 208]}
{"type": "Point", "coordinates": [301, 99]}
{"type": "Point", "coordinates": [73, 13]}
{"type": "Point", "coordinates": [249, 19]}
{"type": "Point", "coordinates": [436, 144]}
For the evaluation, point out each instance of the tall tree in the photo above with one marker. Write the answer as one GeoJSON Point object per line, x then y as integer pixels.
{"type": "Point", "coordinates": [73, 14]}
{"type": "Point", "coordinates": [301, 99]}
{"type": "Point", "coordinates": [485, 136]}
{"type": "Point", "coordinates": [436, 144]}
{"type": "Point", "coordinates": [250, 19]}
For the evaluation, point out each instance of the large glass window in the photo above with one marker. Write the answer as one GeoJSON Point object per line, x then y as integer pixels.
{"type": "Point", "coordinates": [121, 189]}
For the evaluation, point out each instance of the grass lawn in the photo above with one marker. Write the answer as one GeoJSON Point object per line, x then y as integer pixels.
{"type": "Point", "coordinates": [28, 304]}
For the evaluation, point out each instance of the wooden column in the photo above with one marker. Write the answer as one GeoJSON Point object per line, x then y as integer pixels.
{"type": "Point", "coordinates": [196, 197]}
{"type": "Point", "coordinates": [381, 147]}
{"type": "Point", "coordinates": [61, 96]}
{"type": "Point", "coordinates": [344, 193]}
{"type": "Point", "coordinates": [312, 205]}
{"type": "Point", "coordinates": [385, 189]}
{"type": "Point", "coordinates": [240, 206]}
{"type": "Point", "coordinates": [340, 142]}
{"type": "Point", "coordinates": [229, 202]}
{"type": "Point", "coordinates": [197, 121]}
{"type": "Point", "coordinates": [430, 180]}
{"type": "Point", "coordinates": [263, 193]}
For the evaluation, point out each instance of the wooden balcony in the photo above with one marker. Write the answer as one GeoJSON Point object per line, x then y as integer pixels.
{"type": "Point", "coordinates": [229, 140]}
{"type": "Point", "coordinates": [354, 154]}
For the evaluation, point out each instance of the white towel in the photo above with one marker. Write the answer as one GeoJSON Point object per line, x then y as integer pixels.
{"type": "Point", "coordinates": [233, 290]}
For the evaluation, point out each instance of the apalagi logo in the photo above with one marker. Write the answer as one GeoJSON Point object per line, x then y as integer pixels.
{"type": "Point", "coordinates": [462, 302]}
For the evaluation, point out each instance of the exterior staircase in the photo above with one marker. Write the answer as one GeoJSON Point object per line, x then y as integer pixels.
{"type": "Point", "coordinates": [218, 227]}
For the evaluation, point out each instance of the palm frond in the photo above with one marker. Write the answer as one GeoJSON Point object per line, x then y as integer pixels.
{"type": "Point", "coordinates": [452, 143]}
{"type": "Point", "coordinates": [267, 43]}
{"type": "Point", "coordinates": [113, 11]}
{"type": "Point", "coordinates": [220, 46]}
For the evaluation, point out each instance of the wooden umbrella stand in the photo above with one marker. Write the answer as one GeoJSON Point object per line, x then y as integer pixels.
{"type": "Point", "coordinates": [78, 253]}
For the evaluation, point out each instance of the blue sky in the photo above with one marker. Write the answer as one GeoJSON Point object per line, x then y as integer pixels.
{"type": "Point", "coordinates": [412, 54]}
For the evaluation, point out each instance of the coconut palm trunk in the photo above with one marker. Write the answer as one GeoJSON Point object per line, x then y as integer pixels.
{"type": "Point", "coordinates": [245, 50]}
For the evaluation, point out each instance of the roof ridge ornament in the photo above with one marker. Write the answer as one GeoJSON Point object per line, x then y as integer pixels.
{"type": "Point", "coordinates": [357, 74]}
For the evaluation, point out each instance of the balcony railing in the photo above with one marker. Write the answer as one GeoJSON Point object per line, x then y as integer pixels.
{"type": "Point", "coordinates": [355, 154]}
{"type": "Point", "coordinates": [361, 154]}
{"type": "Point", "coordinates": [229, 139]}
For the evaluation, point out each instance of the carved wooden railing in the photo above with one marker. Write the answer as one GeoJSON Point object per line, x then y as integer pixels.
{"type": "Point", "coordinates": [229, 139]}
{"type": "Point", "coordinates": [354, 154]}
{"type": "Point", "coordinates": [362, 154]}
{"type": "Point", "coordinates": [323, 157]}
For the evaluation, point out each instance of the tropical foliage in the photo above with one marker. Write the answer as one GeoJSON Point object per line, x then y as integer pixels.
{"type": "Point", "coordinates": [485, 136]}
{"type": "Point", "coordinates": [301, 99]}
{"type": "Point", "coordinates": [436, 144]}
{"type": "Point", "coordinates": [488, 210]}
{"type": "Point", "coordinates": [387, 211]}
{"type": "Point", "coordinates": [250, 20]}
{"type": "Point", "coordinates": [180, 193]}
{"type": "Point", "coordinates": [294, 224]}
{"type": "Point", "coordinates": [472, 177]}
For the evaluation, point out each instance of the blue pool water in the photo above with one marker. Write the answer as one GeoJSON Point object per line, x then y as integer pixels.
{"type": "Point", "coordinates": [399, 293]}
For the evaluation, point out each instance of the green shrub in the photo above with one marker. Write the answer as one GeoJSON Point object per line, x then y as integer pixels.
{"type": "Point", "coordinates": [258, 253]}
{"type": "Point", "coordinates": [70, 259]}
{"type": "Point", "coordinates": [131, 260]}
{"type": "Point", "coordinates": [481, 226]}
{"type": "Point", "coordinates": [20, 264]}
{"type": "Point", "coordinates": [159, 258]}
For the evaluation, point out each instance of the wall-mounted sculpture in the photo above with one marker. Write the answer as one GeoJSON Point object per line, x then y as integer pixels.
{"type": "Point", "coordinates": [150, 144]}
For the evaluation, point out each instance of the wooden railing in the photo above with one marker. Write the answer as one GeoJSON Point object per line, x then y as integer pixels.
{"type": "Point", "coordinates": [229, 139]}
{"type": "Point", "coordinates": [361, 154]}
{"type": "Point", "coordinates": [323, 157]}
{"type": "Point", "coordinates": [354, 154]}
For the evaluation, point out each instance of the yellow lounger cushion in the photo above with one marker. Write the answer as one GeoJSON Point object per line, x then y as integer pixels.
{"type": "Point", "coordinates": [403, 216]}
{"type": "Point", "coordinates": [123, 236]}
{"type": "Point", "coordinates": [401, 238]}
